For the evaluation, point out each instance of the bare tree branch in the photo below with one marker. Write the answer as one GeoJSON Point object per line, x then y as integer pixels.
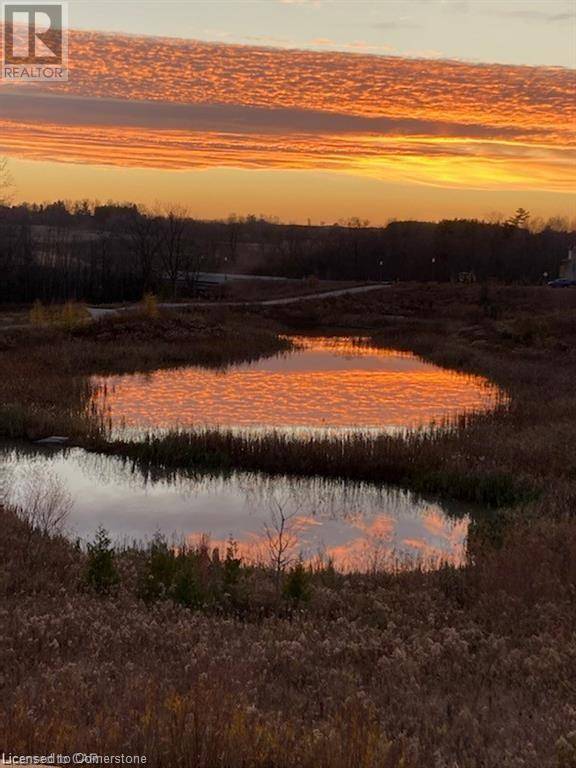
{"type": "Point", "coordinates": [6, 183]}
{"type": "Point", "coordinates": [175, 254]}
{"type": "Point", "coordinates": [144, 232]}
{"type": "Point", "coordinates": [42, 500]}
{"type": "Point", "coordinates": [281, 539]}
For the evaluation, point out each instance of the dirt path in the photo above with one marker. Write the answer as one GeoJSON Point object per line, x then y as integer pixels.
{"type": "Point", "coordinates": [98, 312]}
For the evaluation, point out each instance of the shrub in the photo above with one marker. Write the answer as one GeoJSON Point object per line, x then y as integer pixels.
{"type": "Point", "coordinates": [101, 575]}
{"type": "Point", "coordinates": [159, 570]}
{"type": "Point", "coordinates": [150, 305]}
{"type": "Point", "coordinates": [187, 589]}
{"type": "Point", "coordinates": [71, 315]}
{"type": "Point", "coordinates": [38, 314]}
{"type": "Point", "coordinates": [297, 587]}
{"type": "Point", "coordinates": [232, 564]}
{"type": "Point", "coordinates": [178, 573]}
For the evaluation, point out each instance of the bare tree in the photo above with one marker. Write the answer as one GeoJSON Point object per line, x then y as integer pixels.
{"type": "Point", "coordinates": [42, 501]}
{"type": "Point", "coordinates": [6, 183]}
{"type": "Point", "coordinates": [494, 217]}
{"type": "Point", "coordinates": [281, 539]}
{"type": "Point", "coordinates": [145, 234]}
{"type": "Point", "coordinates": [175, 245]}
{"type": "Point", "coordinates": [560, 224]}
{"type": "Point", "coordinates": [233, 227]}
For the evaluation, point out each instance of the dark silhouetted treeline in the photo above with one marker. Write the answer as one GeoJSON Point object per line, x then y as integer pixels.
{"type": "Point", "coordinates": [114, 252]}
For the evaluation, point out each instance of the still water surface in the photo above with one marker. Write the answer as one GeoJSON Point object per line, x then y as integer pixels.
{"type": "Point", "coordinates": [358, 525]}
{"type": "Point", "coordinates": [333, 384]}
{"type": "Point", "coordinates": [326, 383]}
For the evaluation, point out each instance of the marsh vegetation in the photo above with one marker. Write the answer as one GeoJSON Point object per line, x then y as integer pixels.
{"type": "Point", "coordinates": [197, 657]}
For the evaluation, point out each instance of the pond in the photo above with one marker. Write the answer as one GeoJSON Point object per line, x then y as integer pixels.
{"type": "Point", "coordinates": [325, 384]}
{"type": "Point", "coordinates": [358, 525]}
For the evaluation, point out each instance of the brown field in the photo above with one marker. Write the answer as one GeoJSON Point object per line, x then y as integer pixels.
{"type": "Point", "coordinates": [470, 666]}
{"type": "Point", "coordinates": [431, 302]}
{"type": "Point", "coordinates": [263, 290]}
{"type": "Point", "coordinates": [201, 660]}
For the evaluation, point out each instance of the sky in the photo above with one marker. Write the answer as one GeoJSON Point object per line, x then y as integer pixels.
{"type": "Point", "coordinates": [318, 110]}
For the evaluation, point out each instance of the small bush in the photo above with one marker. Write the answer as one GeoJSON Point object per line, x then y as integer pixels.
{"type": "Point", "coordinates": [67, 316]}
{"type": "Point", "coordinates": [297, 586]}
{"type": "Point", "coordinates": [184, 574]}
{"type": "Point", "coordinates": [71, 315]}
{"type": "Point", "coordinates": [150, 305]}
{"type": "Point", "coordinates": [159, 570]}
{"type": "Point", "coordinates": [101, 575]}
{"type": "Point", "coordinates": [38, 314]}
{"type": "Point", "coordinates": [232, 565]}
{"type": "Point", "coordinates": [187, 589]}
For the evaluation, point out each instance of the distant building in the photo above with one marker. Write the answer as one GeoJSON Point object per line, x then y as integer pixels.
{"type": "Point", "coordinates": [568, 266]}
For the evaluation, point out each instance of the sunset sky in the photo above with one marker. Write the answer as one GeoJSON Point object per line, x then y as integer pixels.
{"type": "Point", "coordinates": [314, 110]}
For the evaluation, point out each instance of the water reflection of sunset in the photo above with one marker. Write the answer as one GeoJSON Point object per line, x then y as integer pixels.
{"type": "Point", "coordinates": [326, 383]}
{"type": "Point", "coordinates": [358, 526]}
{"type": "Point", "coordinates": [395, 538]}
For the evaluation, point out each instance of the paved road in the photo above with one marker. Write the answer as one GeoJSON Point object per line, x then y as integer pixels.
{"type": "Point", "coordinates": [99, 312]}
{"type": "Point", "coordinates": [223, 277]}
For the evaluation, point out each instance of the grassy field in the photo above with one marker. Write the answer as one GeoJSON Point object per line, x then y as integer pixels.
{"type": "Point", "coordinates": [263, 290]}
{"type": "Point", "coordinates": [431, 302]}
{"type": "Point", "coordinates": [199, 659]}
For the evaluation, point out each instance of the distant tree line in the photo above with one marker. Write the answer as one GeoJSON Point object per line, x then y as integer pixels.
{"type": "Point", "coordinates": [115, 252]}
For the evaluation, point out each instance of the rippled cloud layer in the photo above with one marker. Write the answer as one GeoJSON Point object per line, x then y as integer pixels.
{"type": "Point", "coordinates": [149, 102]}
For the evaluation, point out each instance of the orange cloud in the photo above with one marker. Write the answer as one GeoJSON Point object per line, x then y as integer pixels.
{"type": "Point", "coordinates": [197, 72]}
{"type": "Point", "coordinates": [164, 103]}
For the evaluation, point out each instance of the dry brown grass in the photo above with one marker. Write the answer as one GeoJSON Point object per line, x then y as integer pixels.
{"type": "Point", "coordinates": [14, 316]}
{"type": "Point", "coordinates": [470, 667]}
{"type": "Point", "coordinates": [430, 302]}
{"type": "Point", "coordinates": [44, 384]}
{"type": "Point", "coordinates": [263, 290]}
